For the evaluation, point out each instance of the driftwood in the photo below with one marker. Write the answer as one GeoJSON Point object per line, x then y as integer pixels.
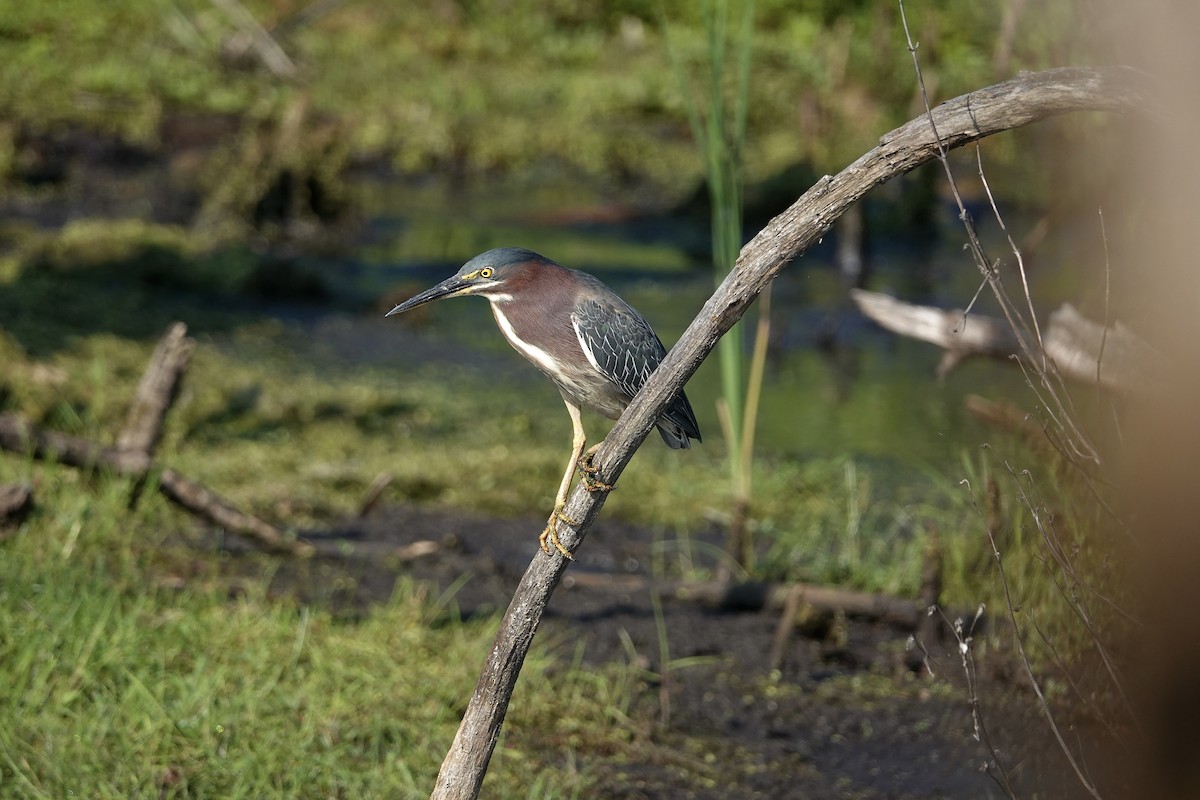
{"type": "Point", "coordinates": [207, 504]}
{"type": "Point", "coordinates": [1115, 358]}
{"type": "Point", "coordinates": [767, 596]}
{"type": "Point", "coordinates": [133, 456]}
{"type": "Point", "coordinates": [1023, 100]}
{"type": "Point", "coordinates": [18, 435]}
{"type": "Point", "coordinates": [157, 392]}
{"type": "Point", "coordinates": [960, 336]}
{"type": "Point", "coordinates": [1081, 349]}
{"type": "Point", "coordinates": [753, 596]}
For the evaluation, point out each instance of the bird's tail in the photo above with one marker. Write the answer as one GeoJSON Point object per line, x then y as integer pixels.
{"type": "Point", "coordinates": [678, 424]}
{"type": "Point", "coordinates": [673, 435]}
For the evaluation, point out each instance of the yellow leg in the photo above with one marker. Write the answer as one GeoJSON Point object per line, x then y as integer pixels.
{"type": "Point", "coordinates": [578, 439]}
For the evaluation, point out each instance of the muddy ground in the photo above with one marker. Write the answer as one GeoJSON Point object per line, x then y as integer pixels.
{"type": "Point", "coordinates": [849, 714]}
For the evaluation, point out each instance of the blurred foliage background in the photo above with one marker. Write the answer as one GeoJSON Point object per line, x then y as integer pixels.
{"type": "Point", "coordinates": [469, 87]}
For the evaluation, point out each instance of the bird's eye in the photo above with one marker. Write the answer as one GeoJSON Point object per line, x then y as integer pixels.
{"type": "Point", "coordinates": [486, 272]}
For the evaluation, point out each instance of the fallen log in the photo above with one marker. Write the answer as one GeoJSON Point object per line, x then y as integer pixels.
{"type": "Point", "coordinates": [952, 330]}
{"type": "Point", "coordinates": [1114, 357]}
{"type": "Point", "coordinates": [18, 435]}
{"type": "Point", "coordinates": [15, 500]}
{"type": "Point", "coordinates": [1083, 350]}
{"type": "Point", "coordinates": [207, 504]}
{"type": "Point", "coordinates": [753, 596]}
{"type": "Point", "coordinates": [154, 397]}
{"type": "Point", "coordinates": [767, 596]}
{"type": "Point", "coordinates": [133, 455]}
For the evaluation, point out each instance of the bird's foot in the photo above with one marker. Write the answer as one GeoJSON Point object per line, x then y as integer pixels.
{"type": "Point", "coordinates": [550, 534]}
{"type": "Point", "coordinates": [588, 477]}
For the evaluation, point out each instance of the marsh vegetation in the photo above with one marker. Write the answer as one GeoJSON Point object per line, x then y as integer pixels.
{"type": "Point", "coordinates": [177, 177]}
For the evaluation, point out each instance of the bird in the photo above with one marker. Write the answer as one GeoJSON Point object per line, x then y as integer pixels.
{"type": "Point", "coordinates": [589, 342]}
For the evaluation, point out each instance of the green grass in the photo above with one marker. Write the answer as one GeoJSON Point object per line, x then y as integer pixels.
{"type": "Point", "coordinates": [133, 660]}
{"type": "Point", "coordinates": [487, 87]}
{"type": "Point", "coordinates": [129, 669]}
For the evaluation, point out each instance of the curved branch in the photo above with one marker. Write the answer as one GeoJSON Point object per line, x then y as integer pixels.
{"type": "Point", "coordinates": [1025, 99]}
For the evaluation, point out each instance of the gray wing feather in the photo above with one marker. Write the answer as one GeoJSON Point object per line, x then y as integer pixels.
{"type": "Point", "coordinates": [623, 346]}
{"type": "Point", "coordinates": [620, 342]}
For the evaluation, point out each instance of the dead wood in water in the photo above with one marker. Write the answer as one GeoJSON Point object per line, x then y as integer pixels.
{"type": "Point", "coordinates": [1079, 348]}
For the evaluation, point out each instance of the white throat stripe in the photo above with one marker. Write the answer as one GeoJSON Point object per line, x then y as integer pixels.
{"type": "Point", "coordinates": [535, 354]}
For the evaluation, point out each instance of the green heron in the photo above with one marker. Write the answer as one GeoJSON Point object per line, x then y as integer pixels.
{"type": "Point", "coordinates": [597, 349]}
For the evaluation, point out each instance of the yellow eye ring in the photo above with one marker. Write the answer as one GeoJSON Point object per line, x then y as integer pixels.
{"type": "Point", "coordinates": [486, 272]}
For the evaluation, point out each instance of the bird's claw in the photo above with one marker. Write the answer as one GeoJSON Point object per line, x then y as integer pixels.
{"type": "Point", "coordinates": [589, 470]}
{"type": "Point", "coordinates": [593, 485]}
{"type": "Point", "coordinates": [550, 534]}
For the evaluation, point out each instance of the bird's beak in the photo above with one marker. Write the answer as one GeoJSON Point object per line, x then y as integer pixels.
{"type": "Point", "coordinates": [451, 287]}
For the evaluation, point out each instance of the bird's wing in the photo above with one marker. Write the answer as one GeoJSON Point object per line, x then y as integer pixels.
{"type": "Point", "coordinates": [618, 342]}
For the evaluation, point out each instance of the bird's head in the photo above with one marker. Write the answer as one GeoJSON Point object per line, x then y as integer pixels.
{"type": "Point", "coordinates": [492, 274]}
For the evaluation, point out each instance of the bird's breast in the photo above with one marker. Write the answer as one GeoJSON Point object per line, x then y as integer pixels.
{"type": "Point", "coordinates": [555, 350]}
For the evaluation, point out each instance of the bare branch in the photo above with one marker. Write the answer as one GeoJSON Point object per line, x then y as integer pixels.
{"type": "Point", "coordinates": [1023, 100]}
{"type": "Point", "coordinates": [134, 454]}
{"type": "Point", "coordinates": [207, 504]}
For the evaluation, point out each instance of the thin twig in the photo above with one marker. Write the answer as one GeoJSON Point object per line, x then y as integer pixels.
{"type": "Point", "coordinates": [1045, 368]}
{"type": "Point", "coordinates": [1016, 251]}
{"type": "Point", "coordinates": [257, 38]}
{"type": "Point", "coordinates": [1047, 375]}
{"type": "Point", "coordinates": [1074, 602]}
{"type": "Point", "coordinates": [965, 637]}
{"type": "Point", "coordinates": [1107, 292]}
{"type": "Point", "coordinates": [1019, 640]}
